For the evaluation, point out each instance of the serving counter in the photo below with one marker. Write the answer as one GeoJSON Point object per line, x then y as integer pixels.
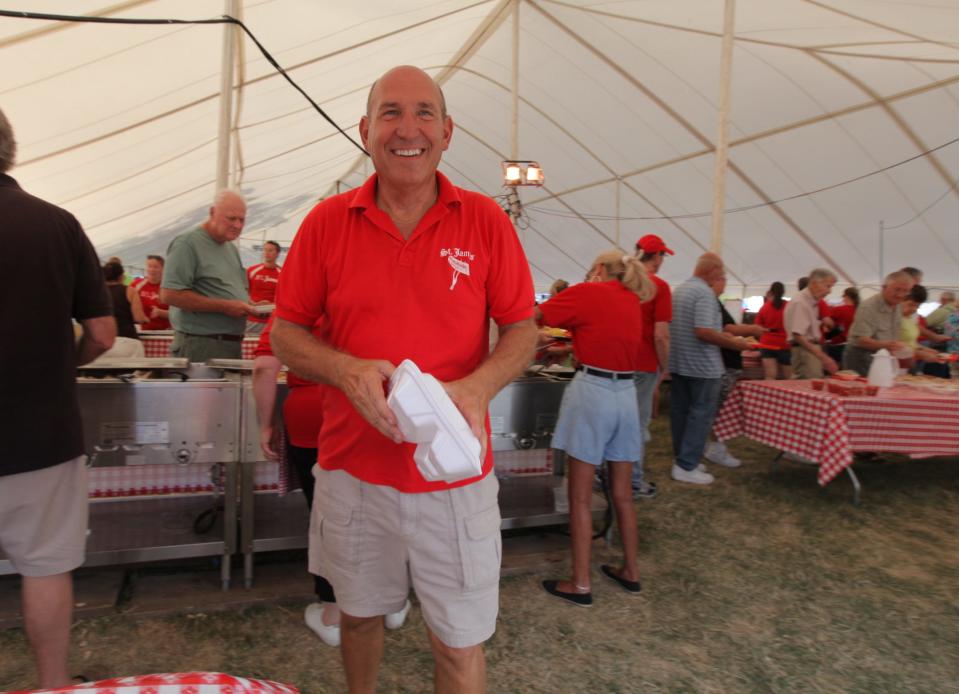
{"type": "Point", "coordinates": [176, 468]}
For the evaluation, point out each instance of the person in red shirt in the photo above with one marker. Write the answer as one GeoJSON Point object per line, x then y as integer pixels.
{"type": "Point", "coordinates": [408, 266]}
{"type": "Point", "coordinates": [775, 348]}
{"type": "Point", "coordinates": [302, 413]}
{"type": "Point", "coordinates": [263, 278]}
{"type": "Point", "coordinates": [146, 290]}
{"type": "Point", "coordinates": [842, 318]}
{"type": "Point", "coordinates": [599, 416]}
{"type": "Point", "coordinates": [657, 312]}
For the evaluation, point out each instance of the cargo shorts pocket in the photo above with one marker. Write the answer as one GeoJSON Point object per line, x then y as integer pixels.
{"type": "Point", "coordinates": [481, 546]}
{"type": "Point", "coordinates": [340, 530]}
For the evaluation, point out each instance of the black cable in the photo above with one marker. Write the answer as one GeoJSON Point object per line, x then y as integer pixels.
{"type": "Point", "coordinates": [225, 19]}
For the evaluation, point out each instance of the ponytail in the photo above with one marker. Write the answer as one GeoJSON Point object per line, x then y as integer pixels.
{"type": "Point", "coordinates": [629, 271]}
{"type": "Point", "coordinates": [778, 290]}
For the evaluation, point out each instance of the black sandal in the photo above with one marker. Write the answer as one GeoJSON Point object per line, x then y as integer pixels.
{"type": "Point", "coordinates": [578, 599]}
{"type": "Point", "coordinates": [625, 584]}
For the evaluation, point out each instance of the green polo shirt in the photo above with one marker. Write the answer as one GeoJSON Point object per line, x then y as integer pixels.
{"type": "Point", "coordinates": [196, 262]}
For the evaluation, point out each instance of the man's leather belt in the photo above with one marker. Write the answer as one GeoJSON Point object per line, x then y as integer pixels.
{"type": "Point", "coordinates": [612, 375]}
{"type": "Point", "coordinates": [218, 336]}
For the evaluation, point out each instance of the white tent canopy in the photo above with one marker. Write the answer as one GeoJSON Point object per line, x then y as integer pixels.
{"type": "Point", "coordinates": [617, 101]}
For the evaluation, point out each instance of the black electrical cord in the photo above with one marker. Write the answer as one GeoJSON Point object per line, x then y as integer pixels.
{"type": "Point", "coordinates": [225, 19]}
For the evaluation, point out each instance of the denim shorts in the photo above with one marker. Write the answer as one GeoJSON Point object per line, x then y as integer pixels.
{"type": "Point", "coordinates": [599, 420]}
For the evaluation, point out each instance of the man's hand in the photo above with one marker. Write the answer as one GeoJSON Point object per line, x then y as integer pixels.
{"type": "Point", "coordinates": [156, 312]}
{"type": "Point", "coordinates": [237, 308]}
{"type": "Point", "coordinates": [473, 403]}
{"type": "Point", "coordinates": [896, 346]}
{"type": "Point", "coordinates": [361, 380]}
{"type": "Point", "coordinates": [740, 343]}
{"type": "Point", "coordinates": [829, 365]}
{"type": "Point", "coordinates": [267, 442]}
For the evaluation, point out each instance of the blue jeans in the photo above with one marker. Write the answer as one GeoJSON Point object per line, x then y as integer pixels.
{"type": "Point", "coordinates": [645, 387]}
{"type": "Point", "coordinates": [692, 406]}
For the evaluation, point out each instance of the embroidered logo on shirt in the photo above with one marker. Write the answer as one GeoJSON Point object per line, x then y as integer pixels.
{"type": "Point", "coordinates": [457, 258]}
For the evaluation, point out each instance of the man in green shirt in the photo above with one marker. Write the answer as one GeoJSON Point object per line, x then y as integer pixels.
{"type": "Point", "coordinates": [206, 286]}
{"type": "Point", "coordinates": [937, 319]}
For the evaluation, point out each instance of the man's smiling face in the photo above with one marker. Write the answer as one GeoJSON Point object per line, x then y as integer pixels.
{"type": "Point", "coordinates": [406, 130]}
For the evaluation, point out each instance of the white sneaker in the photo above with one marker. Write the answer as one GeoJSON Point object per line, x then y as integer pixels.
{"type": "Point", "coordinates": [696, 476]}
{"type": "Point", "coordinates": [716, 452]}
{"type": "Point", "coordinates": [328, 633]}
{"type": "Point", "coordinates": [395, 620]}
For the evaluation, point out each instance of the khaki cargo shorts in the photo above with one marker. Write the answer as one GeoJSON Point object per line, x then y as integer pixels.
{"type": "Point", "coordinates": [43, 518]}
{"type": "Point", "coordinates": [373, 543]}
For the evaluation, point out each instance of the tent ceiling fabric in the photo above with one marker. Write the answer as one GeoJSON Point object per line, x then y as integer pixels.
{"type": "Point", "coordinates": [618, 102]}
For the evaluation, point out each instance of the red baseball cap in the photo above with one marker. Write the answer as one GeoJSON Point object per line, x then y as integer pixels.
{"type": "Point", "coordinates": [651, 243]}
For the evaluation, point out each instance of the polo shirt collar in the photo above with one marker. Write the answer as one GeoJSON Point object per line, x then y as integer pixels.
{"type": "Point", "coordinates": [365, 196]}
{"type": "Point", "coordinates": [807, 295]}
{"type": "Point", "coordinates": [447, 197]}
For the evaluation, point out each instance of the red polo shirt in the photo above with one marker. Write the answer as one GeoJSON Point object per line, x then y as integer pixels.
{"type": "Point", "coordinates": [428, 298]}
{"type": "Point", "coordinates": [606, 320]}
{"type": "Point", "coordinates": [150, 297]}
{"type": "Point", "coordinates": [659, 309]}
{"type": "Point", "coordinates": [302, 411]}
{"type": "Point", "coordinates": [263, 281]}
{"type": "Point", "coordinates": [772, 319]}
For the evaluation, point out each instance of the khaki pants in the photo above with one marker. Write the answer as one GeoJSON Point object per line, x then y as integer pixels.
{"type": "Point", "coordinates": [805, 364]}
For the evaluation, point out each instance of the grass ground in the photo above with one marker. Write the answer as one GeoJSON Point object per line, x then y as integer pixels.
{"type": "Point", "coordinates": [760, 583]}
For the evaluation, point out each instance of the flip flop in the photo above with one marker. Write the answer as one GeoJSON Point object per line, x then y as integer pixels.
{"type": "Point", "coordinates": [578, 599]}
{"type": "Point", "coordinates": [627, 585]}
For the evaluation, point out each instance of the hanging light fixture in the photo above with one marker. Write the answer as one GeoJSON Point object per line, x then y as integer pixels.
{"type": "Point", "coordinates": [522, 173]}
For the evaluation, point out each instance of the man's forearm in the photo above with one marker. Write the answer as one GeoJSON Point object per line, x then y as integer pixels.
{"type": "Point", "coordinates": [715, 337]}
{"type": "Point", "coordinates": [189, 300]}
{"type": "Point", "coordinates": [265, 370]}
{"type": "Point", "coordinates": [98, 336]}
{"type": "Point", "coordinates": [811, 347]}
{"type": "Point", "coordinates": [661, 343]}
{"type": "Point", "coordinates": [303, 353]}
{"type": "Point", "coordinates": [872, 344]}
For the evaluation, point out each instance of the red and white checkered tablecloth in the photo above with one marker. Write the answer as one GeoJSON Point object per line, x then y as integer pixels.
{"type": "Point", "coordinates": [158, 346]}
{"type": "Point", "coordinates": [827, 428]}
{"type": "Point", "coordinates": [177, 683]}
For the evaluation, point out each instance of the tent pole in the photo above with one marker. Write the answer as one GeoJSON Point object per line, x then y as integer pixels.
{"type": "Point", "coordinates": [619, 183]}
{"type": "Point", "coordinates": [231, 8]}
{"type": "Point", "coordinates": [514, 116]}
{"type": "Point", "coordinates": [882, 239]}
{"type": "Point", "coordinates": [722, 134]}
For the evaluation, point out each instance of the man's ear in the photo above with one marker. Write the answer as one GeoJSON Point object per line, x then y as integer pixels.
{"type": "Point", "coordinates": [364, 130]}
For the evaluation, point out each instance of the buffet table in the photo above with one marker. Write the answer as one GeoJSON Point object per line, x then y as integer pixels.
{"type": "Point", "coordinates": [827, 429]}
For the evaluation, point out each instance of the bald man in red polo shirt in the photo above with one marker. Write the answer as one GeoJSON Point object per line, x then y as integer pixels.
{"type": "Point", "coordinates": [407, 266]}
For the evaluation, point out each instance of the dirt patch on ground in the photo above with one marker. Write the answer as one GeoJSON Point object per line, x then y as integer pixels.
{"type": "Point", "coordinates": [763, 582]}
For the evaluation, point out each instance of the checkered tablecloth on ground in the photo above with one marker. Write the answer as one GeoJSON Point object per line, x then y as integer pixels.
{"type": "Point", "coordinates": [826, 428]}
{"type": "Point", "coordinates": [158, 346]}
{"type": "Point", "coordinates": [178, 683]}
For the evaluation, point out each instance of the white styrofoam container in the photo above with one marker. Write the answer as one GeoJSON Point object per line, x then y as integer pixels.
{"type": "Point", "coordinates": [447, 450]}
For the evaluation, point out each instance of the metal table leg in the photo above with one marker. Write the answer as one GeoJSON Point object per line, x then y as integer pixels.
{"type": "Point", "coordinates": [229, 522]}
{"type": "Point", "coordinates": [856, 487]}
{"type": "Point", "coordinates": [246, 521]}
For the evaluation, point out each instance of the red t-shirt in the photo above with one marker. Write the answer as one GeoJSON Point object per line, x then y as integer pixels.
{"type": "Point", "coordinates": [842, 316]}
{"type": "Point", "coordinates": [302, 409]}
{"type": "Point", "coordinates": [263, 281]}
{"type": "Point", "coordinates": [659, 309]}
{"type": "Point", "coordinates": [606, 320]}
{"type": "Point", "coordinates": [771, 318]}
{"type": "Point", "coordinates": [428, 298]}
{"type": "Point", "coordinates": [150, 298]}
